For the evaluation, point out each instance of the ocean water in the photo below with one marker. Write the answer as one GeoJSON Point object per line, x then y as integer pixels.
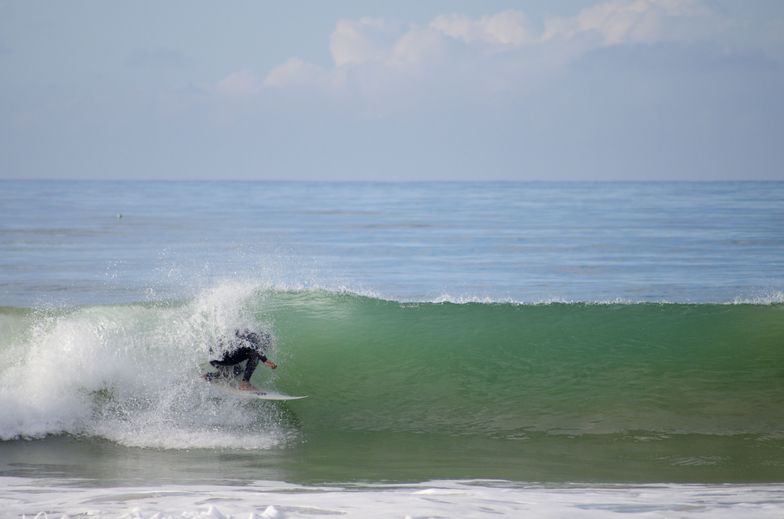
{"type": "Point", "coordinates": [469, 349]}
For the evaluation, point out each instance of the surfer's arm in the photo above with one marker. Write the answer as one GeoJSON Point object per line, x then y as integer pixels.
{"type": "Point", "coordinates": [264, 360]}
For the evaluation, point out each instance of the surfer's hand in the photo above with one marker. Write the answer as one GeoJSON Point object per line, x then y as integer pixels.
{"type": "Point", "coordinates": [271, 364]}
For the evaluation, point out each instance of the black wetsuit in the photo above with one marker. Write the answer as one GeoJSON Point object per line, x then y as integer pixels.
{"type": "Point", "coordinates": [244, 346]}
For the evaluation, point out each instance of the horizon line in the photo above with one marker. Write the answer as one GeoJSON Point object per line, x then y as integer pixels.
{"type": "Point", "coordinates": [423, 181]}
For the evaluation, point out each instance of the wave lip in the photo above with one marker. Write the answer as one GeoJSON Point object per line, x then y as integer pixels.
{"type": "Point", "coordinates": [771, 298]}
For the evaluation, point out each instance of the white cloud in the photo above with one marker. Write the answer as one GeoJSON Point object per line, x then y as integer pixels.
{"type": "Point", "coordinates": [295, 72]}
{"type": "Point", "coordinates": [375, 62]}
{"type": "Point", "coordinates": [504, 28]}
{"type": "Point", "coordinates": [416, 47]}
{"type": "Point", "coordinates": [354, 42]}
{"type": "Point", "coordinates": [637, 21]}
{"type": "Point", "coordinates": [239, 84]}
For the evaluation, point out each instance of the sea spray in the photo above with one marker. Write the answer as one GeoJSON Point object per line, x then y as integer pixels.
{"type": "Point", "coordinates": [129, 373]}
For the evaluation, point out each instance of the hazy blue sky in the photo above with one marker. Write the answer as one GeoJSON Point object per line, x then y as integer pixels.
{"type": "Point", "coordinates": [371, 90]}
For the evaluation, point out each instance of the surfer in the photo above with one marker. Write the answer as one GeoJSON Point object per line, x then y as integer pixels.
{"type": "Point", "coordinates": [244, 346]}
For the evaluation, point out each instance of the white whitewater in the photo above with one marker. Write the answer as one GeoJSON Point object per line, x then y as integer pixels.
{"type": "Point", "coordinates": [55, 499]}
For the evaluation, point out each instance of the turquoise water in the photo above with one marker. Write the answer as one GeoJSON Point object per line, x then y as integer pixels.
{"type": "Point", "coordinates": [526, 332]}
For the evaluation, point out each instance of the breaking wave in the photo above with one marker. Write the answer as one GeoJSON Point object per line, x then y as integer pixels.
{"type": "Point", "coordinates": [130, 373]}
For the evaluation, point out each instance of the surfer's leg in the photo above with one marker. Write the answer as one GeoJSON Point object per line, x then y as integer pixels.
{"type": "Point", "coordinates": [227, 366]}
{"type": "Point", "coordinates": [234, 357]}
{"type": "Point", "coordinates": [250, 367]}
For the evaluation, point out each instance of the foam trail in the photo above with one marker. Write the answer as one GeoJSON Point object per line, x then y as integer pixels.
{"type": "Point", "coordinates": [771, 298]}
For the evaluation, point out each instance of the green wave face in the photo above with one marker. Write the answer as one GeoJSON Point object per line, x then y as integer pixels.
{"type": "Point", "coordinates": [478, 369]}
{"type": "Point", "coordinates": [505, 370]}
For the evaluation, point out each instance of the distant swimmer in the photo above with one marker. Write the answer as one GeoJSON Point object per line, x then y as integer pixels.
{"type": "Point", "coordinates": [244, 346]}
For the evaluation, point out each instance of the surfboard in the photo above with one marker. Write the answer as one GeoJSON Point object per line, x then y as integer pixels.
{"type": "Point", "coordinates": [261, 394]}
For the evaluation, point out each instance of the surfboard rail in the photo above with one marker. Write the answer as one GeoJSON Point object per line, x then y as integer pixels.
{"type": "Point", "coordinates": [261, 394]}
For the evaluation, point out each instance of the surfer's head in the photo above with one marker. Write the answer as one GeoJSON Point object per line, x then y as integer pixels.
{"type": "Point", "coordinates": [260, 339]}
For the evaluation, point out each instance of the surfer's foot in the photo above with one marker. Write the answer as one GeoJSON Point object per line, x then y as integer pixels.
{"type": "Point", "coordinates": [246, 386]}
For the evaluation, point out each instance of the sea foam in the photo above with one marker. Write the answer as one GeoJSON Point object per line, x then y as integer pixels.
{"type": "Point", "coordinates": [477, 499]}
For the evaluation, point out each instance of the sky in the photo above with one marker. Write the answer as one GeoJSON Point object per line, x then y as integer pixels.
{"type": "Point", "coordinates": [536, 90]}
